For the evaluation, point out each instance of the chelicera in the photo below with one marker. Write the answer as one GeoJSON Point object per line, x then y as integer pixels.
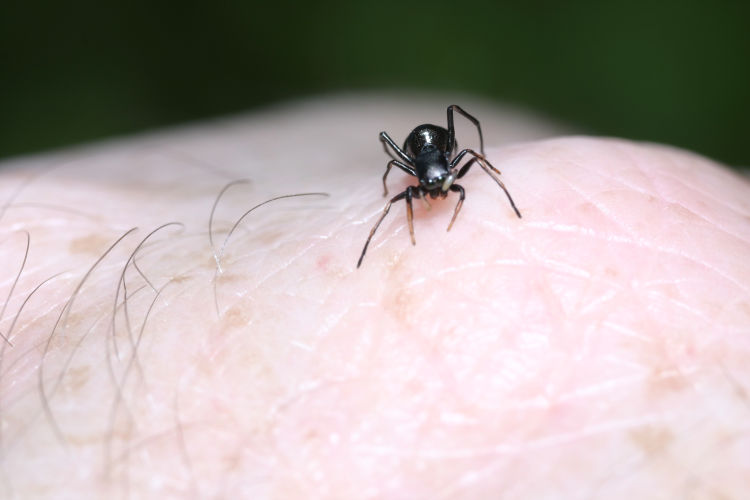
{"type": "Point", "coordinates": [429, 154]}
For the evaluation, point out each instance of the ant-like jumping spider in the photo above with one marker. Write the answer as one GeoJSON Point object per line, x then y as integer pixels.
{"type": "Point", "coordinates": [426, 156]}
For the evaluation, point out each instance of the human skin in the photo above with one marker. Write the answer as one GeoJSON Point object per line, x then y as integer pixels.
{"type": "Point", "coordinates": [596, 348]}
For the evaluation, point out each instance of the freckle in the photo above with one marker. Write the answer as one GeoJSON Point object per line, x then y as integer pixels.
{"type": "Point", "coordinates": [235, 316]}
{"type": "Point", "coordinates": [231, 278]}
{"type": "Point", "coordinates": [741, 393]}
{"type": "Point", "coordinates": [311, 435]}
{"type": "Point", "coordinates": [662, 383]}
{"type": "Point", "coordinates": [268, 236]}
{"type": "Point", "coordinates": [93, 244]}
{"type": "Point", "coordinates": [587, 207]}
{"type": "Point", "coordinates": [611, 272]}
{"type": "Point", "coordinates": [77, 377]}
{"type": "Point", "coordinates": [652, 440]}
{"type": "Point", "coordinates": [180, 278]}
{"type": "Point", "coordinates": [74, 320]}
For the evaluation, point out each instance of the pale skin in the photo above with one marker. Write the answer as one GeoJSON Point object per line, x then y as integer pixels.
{"type": "Point", "coordinates": [596, 348]}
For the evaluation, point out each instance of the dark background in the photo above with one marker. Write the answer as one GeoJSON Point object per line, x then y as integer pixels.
{"type": "Point", "coordinates": [672, 71]}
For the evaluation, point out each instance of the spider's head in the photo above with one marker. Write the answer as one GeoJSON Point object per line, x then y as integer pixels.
{"type": "Point", "coordinates": [437, 179]}
{"type": "Point", "coordinates": [433, 171]}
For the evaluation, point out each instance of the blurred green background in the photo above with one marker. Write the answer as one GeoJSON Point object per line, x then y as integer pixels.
{"type": "Point", "coordinates": [672, 71]}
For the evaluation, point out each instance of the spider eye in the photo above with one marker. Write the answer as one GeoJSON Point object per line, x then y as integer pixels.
{"type": "Point", "coordinates": [432, 183]}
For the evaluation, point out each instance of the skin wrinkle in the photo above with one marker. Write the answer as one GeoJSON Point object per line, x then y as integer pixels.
{"type": "Point", "coordinates": [527, 448]}
{"type": "Point", "coordinates": [714, 223]}
{"type": "Point", "coordinates": [57, 209]}
{"type": "Point", "coordinates": [715, 173]}
{"type": "Point", "coordinates": [643, 176]}
{"type": "Point", "coordinates": [603, 209]}
{"type": "Point", "coordinates": [663, 249]}
{"type": "Point", "coordinates": [473, 338]}
{"type": "Point", "coordinates": [218, 273]}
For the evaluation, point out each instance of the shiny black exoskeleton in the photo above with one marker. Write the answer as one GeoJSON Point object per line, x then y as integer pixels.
{"type": "Point", "coordinates": [429, 154]}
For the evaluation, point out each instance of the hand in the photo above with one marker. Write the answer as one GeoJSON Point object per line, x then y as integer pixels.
{"type": "Point", "coordinates": [596, 348]}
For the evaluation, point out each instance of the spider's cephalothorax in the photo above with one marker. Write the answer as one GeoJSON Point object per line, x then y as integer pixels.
{"type": "Point", "coordinates": [429, 154]}
{"type": "Point", "coordinates": [428, 146]}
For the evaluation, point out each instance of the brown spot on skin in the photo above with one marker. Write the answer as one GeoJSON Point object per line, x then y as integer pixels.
{"type": "Point", "coordinates": [92, 244]}
{"type": "Point", "coordinates": [587, 208]}
{"type": "Point", "coordinates": [611, 272]}
{"type": "Point", "coordinates": [61, 339]}
{"type": "Point", "coordinates": [311, 435]}
{"type": "Point", "coordinates": [739, 389]}
{"type": "Point", "coordinates": [77, 377]}
{"type": "Point", "coordinates": [665, 382]}
{"type": "Point", "coordinates": [652, 440]}
{"type": "Point", "coordinates": [231, 278]}
{"type": "Point", "coordinates": [237, 316]}
{"type": "Point", "coordinates": [180, 278]}
{"type": "Point", "coordinates": [74, 320]}
{"type": "Point", "coordinates": [740, 392]}
{"type": "Point", "coordinates": [268, 236]}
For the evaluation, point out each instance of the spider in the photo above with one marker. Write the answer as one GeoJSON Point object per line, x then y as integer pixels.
{"type": "Point", "coordinates": [426, 155]}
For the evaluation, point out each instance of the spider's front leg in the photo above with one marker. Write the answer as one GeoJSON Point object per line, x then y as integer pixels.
{"type": "Point", "coordinates": [452, 131]}
{"type": "Point", "coordinates": [386, 139]}
{"type": "Point", "coordinates": [461, 198]}
{"type": "Point", "coordinates": [406, 168]}
{"type": "Point", "coordinates": [408, 193]}
{"type": "Point", "coordinates": [487, 167]}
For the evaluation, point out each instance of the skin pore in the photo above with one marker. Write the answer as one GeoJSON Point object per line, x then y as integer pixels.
{"type": "Point", "coordinates": [596, 348]}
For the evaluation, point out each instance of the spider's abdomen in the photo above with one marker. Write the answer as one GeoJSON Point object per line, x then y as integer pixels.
{"type": "Point", "coordinates": [427, 135]}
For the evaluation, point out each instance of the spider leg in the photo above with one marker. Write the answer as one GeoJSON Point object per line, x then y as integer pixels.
{"type": "Point", "coordinates": [410, 211]}
{"type": "Point", "coordinates": [425, 202]}
{"type": "Point", "coordinates": [460, 156]}
{"type": "Point", "coordinates": [406, 168]}
{"type": "Point", "coordinates": [487, 167]}
{"type": "Point", "coordinates": [465, 168]}
{"type": "Point", "coordinates": [386, 139]}
{"type": "Point", "coordinates": [399, 196]}
{"type": "Point", "coordinates": [461, 197]}
{"type": "Point", "coordinates": [452, 131]}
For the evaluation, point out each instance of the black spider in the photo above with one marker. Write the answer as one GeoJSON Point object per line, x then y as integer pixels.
{"type": "Point", "coordinates": [427, 156]}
